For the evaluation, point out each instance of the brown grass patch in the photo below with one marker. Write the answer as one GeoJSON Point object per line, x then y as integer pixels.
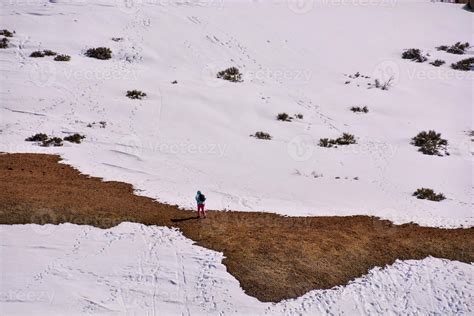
{"type": "Point", "coordinates": [274, 257]}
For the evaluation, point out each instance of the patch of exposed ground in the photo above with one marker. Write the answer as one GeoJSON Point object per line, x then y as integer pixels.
{"type": "Point", "coordinates": [274, 257]}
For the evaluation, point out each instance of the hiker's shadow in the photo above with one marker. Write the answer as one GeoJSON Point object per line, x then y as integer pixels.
{"type": "Point", "coordinates": [177, 220]}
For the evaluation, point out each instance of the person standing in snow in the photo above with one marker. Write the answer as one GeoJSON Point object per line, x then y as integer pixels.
{"type": "Point", "coordinates": [200, 199]}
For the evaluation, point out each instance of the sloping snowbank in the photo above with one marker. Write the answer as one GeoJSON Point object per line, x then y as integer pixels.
{"type": "Point", "coordinates": [140, 270]}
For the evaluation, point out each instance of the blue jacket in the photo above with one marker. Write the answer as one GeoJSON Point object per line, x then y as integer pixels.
{"type": "Point", "coordinates": [198, 194]}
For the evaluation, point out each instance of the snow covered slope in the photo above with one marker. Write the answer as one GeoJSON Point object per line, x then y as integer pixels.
{"type": "Point", "coordinates": [195, 134]}
{"type": "Point", "coordinates": [86, 272]}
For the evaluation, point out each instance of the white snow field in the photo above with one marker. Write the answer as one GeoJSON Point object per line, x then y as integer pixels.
{"type": "Point", "coordinates": [294, 56]}
{"type": "Point", "coordinates": [138, 270]}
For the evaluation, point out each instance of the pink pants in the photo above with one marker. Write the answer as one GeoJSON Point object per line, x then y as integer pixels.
{"type": "Point", "coordinates": [201, 209]}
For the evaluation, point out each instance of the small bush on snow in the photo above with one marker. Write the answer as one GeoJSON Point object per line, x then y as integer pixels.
{"type": "Point", "coordinates": [438, 62]}
{"type": "Point", "coordinates": [54, 141]}
{"type": "Point", "coordinates": [102, 53]}
{"type": "Point", "coordinates": [430, 143]}
{"type": "Point", "coordinates": [231, 74]}
{"type": "Point", "coordinates": [136, 94]}
{"type": "Point", "coordinates": [345, 139]}
{"type": "Point", "coordinates": [326, 142]}
{"type": "Point", "coordinates": [37, 54]}
{"type": "Point", "coordinates": [62, 58]}
{"type": "Point", "coordinates": [464, 65]}
{"type": "Point", "coordinates": [48, 52]}
{"type": "Point", "coordinates": [458, 48]}
{"type": "Point", "coordinates": [102, 124]}
{"type": "Point", "coordinates": [262, 135]}
{"type": "Point", "coordinates": [357, 109]}
{"type": "Point", "coordinates": [381, 85]}
{"type": "Point", "coordinates": [4, 43]}
{"type": "Point", "coordinates": [428, 194]}
{"type": "Point", "coordinates": [284, 117]}
{"type": "Point", "coordinates": [414, 54]}
{"type": "Point", "coordinates": [44, 140]}
{"type": "Point", "coordinates": [39, 137]}
{"type": "Point", "coordinates": [6, 33]}
{"type": "Point", "coordinates": [74, 138]}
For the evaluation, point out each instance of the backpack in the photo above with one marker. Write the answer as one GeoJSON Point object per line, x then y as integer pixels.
{"type": "Point", "coordinates": [202, 198]}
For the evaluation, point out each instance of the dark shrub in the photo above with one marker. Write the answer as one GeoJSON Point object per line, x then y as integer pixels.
{"type": "Point", "coordinates": [48, 52]}
{"type": "Point", "coordinates": [430, 143]}
{"type": "Point", "coordinates": [174, 82]}
{"type": "Point", "coordinates": [117, 39]}
{"type": "Point", "coordinates": [102, 124]}
{"type": "Point", "coordinates": [99, 53]}
{"type": "Point", "coordinates": [345, 139]}
{"type": "Point", "coordinates": [37, 54]}
{"type": "Point", "coordinates": [231, 74]}
{"type": "Point", "coordinates": [464, 65]}
{"type": "Point", "coordinates": [39, 137]}
{"type": "Point", "coordinates": [4, 43]}
{"type": "Point", "coordinates": [62, 58]}
{"type": "Point", "coordinates": [136, 94]}
{"type": "Point", "coordinates": [381, 85]}
{"type": "Point", "coordinates": [6, 33]}
{"type": "Point", "coordinates": [262, 135]}
{"type": "Point", "coordinates": [284, 117]}
{"type": "Point", "coordinates": [438, 62]}
{"type": "Point", "coordinates": [428, 194]}
{"type": "Point", "coordinates": [74, 138]}
{"type": "Point", "coordinates": [458, 48]}
{"type": "Point", "coordinates": [356, 109]}
{"type": "Point", "coordinates": [55, 142]}
{"type": "Point", "coordinates": [299, 116]}
{"type": "Point", "coordinates": [414, 54]}
{"type": "Point", "coordinates": [326, 142]}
